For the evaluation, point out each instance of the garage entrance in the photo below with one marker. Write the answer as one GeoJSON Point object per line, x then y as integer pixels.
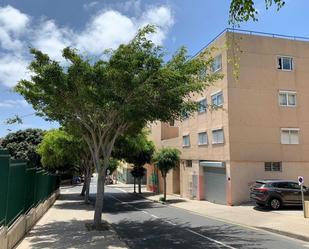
{"type": "Point", "coordinates": [215, 184]}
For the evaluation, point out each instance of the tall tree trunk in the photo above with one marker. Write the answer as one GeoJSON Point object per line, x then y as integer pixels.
{"type": "Point", "coordinates": [85, 183]}
{"type": "Point", "coordinates": [134, 180]}
{"type": "Point", "coordinates": [164, 188]}
{"type": "Point", "coordinates": [88, 181]}
{"type": "Point", "coordinates": [99, 198]}
{"type": "Point", "coordinates": [84, 188]}
{"type": "Point", "coordinates": [139, 185]}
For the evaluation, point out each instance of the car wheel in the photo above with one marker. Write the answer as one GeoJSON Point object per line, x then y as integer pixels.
{"type": "Point", "coordinates": [275, 203]}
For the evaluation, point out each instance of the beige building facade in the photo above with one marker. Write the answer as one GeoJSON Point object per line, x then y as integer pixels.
{"type": "Point", "coordinates": [259, 131]}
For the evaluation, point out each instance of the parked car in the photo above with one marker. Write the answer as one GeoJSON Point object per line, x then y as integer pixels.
{"type": "Point", "coordinates": [277, 193]}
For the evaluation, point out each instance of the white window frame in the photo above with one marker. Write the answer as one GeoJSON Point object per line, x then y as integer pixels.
{"type": "Point", "coordinates": [289, 130]}
{"type": "Point", "coordinates": [204, 111]}
{"type": "Point", "coordinates": [217, 93]}
{"type": "Point", "coordinates": [287, 95]}
{"type": "Point", "coordinates": [219, 68]}
{"type": "Point", "coordinates": [183, 144]}
{"type": "Point", "coordinates": [212, 133]}
{"type": "Point", "coordinates": [291, 63]}
{"type": "Point", "coordinates": [198, 138]}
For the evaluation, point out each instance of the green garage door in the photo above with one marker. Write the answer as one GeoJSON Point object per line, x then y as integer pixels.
{"type": "Point", "coordinates": [215, 184]}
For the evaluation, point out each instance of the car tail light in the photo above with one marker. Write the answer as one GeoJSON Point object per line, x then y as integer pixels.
{"type": "Point", "coordinates": [261, 190]}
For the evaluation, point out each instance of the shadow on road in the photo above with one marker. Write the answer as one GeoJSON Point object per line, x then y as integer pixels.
{"type": "Point", "coordinates": [154, 234]}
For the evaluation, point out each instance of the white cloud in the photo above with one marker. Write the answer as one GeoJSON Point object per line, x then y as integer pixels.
{"type": "Point", "coordinates": [51, 39]}
{"type": "Point", "coordinates": [107, 29]}
{"type": "Point", "coordinates": [12, 69]}
{"type": "Point", "coordinates": [13, 103]}
{"type": "Point", "coordinates": [12, 19]}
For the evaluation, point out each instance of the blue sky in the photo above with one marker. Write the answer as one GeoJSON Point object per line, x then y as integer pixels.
{"type": "Point", "coordinates": [92, 26]}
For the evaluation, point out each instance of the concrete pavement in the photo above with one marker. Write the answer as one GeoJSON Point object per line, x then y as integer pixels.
{"type": "Point", "coordinates": [289, 221]}
{"type": "Point", "coordinates": [63, 227]}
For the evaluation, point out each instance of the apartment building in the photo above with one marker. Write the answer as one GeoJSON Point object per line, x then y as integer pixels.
{"type": "Point", "coordinates": [260, 131]}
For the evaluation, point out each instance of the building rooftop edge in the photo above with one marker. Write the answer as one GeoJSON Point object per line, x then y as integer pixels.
{"type": "Point", "coordinates": [250, 32]}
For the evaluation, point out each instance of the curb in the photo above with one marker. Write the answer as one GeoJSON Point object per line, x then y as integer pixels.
{"type": "Point", "coordinates": [264, 229]}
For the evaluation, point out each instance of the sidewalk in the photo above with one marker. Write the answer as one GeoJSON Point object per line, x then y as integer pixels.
{"type": "Point", "coordinates": [63, 227]}
{"type": "Point", "coordinates": [286, 222]}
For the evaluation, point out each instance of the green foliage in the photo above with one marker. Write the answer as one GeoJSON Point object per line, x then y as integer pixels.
{"type": "Point", "coordinates": [113, 165]}
{"type": "Point", "coordinates": [245, 10]}
{"type": "Point", "coordinates": [166, 159]}
{"type": "Point", "coordinates": [119, 94]}
{"type": "Point", "coordinates": [14, 120]}
{"type": "Point", "coordinates": [135, 149]}
{"type": "Point", "coordinates": [59, 151]}
{"type": "Point", "coordinates": [23, 145]}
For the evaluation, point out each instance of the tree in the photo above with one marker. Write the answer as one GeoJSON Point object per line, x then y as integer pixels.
{"type": "Point", "coordinates": [244, 10]}
{"type": "Point", "coordinates": [23, 145]}
{"type": "Point", "coordinates": [166, 159]}
{"type": "Point", "coordinates": [59, 151]}
{"type": "Point", "coordinates": [135, 149]}
{"type": "Point", "coordinates": [116, 95]}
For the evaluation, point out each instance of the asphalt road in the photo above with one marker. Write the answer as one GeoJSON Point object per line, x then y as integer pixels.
{"type": "Point", "coordinates": [143, 224]}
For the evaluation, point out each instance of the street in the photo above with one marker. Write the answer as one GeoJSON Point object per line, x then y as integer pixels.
{"type": "Point", "coordinates": [144, 224]}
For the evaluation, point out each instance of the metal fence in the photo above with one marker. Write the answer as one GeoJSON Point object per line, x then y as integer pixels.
{"type": "Point", "coordinates": [22, 187]}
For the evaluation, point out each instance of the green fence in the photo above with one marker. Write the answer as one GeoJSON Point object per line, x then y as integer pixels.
{"type": "Point", "coordinates": [22, 187]}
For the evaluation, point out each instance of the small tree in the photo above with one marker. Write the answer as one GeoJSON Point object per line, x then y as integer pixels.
{"type": "Point", "coordinates": [23, 145]}
{"type": "Point", "coordinates": [59, 151]}
{"type": "Point", "coordinates": [166, 159]}
{"type": "Point", "coordinates": [137, 150]}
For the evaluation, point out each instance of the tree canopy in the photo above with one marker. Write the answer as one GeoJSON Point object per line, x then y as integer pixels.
{"type": "Point", "coordinates": [23, 145]}
{"type": "Point", "coordinates": [245, 10]}
{"type": "Point", "coordinates": [60, 151]}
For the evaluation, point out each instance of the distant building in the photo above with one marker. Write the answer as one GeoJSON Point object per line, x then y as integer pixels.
{"type": "Point", "coordinates": [261, 129]}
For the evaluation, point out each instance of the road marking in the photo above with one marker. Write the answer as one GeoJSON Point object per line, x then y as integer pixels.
{"type": "Point", "coordinates": [121, 190]}
{"type": "Point", "coordinates": [210, 239]}
{"type": "Point", "coordinates": [169, 222]}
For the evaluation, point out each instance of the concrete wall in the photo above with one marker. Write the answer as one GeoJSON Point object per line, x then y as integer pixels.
{"type": "Point", "coordinates": [255, 116]}
{"type": "Point", "coordinates": [244, 174]}
{"type": "Point", "coordinates": [9, 237]}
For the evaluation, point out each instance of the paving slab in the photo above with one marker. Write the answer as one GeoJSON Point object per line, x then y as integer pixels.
{"type": "Point", "coordinates": [63, 227]}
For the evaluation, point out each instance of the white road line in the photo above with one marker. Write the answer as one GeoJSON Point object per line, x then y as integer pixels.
{"type": "Point", "coordinates": [121, 190]}
{"type": "Point", "coordinates": [169, 222]}
{"type": "Point", "coordinates": [189, 230]}
{"type": "Point", "coordinates": [210, 239]}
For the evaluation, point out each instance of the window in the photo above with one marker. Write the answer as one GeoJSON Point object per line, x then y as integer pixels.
{"type": "Point", "coordinates": [202, 105]}
{"type": "Point", "coordinates": [189, 163]}
{"type": "Point", "coordinates": [172, 123]}
{"type": "Point", "coordinates": [202, 138]}
{"type": "Point", "coordinates": [282, 185]}
{"type": "Point", "coordinates": [273, 166]}
{"type": "Point", "coordinates": [185, 115]}
{"type": "Point", "coordinates": [285, 63]}
{"type": "Point", "coordinates": [289, 136]}
{"type": "Point", "coordinates": [217, 63]}
{"type": "Point", "coordinates": [186, 141]}
{"type": "Point", "coordinates": [217, 136]}
{"type": "Point", "coordinates": [287, 98]}
{"type": "Point", "coordinates": [217, 99]}
{"type": "Point", "coordinates": [203, 73]}
{"type": "Point", "coordinates": [294, 185]}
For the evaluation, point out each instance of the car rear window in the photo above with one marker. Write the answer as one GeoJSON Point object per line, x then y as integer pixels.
{"type": "Point", "coordinates": [258, 184]}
